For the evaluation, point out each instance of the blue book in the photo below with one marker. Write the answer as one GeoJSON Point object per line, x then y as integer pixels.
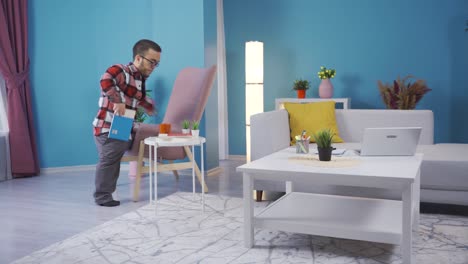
{"type": "Point", "coordinates": [121, 126]}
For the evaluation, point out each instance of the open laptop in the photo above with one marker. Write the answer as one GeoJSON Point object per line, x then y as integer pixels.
{"type": "Point", "coordinates": [390, 141]}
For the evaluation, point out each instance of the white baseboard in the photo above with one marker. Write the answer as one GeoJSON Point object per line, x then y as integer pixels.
{"type": "Point", "coordinates": [237, 157]}
{"type": "Point", "coordinates": [87, 168]}
{"type": "Point", "coordinates": [123, 167]}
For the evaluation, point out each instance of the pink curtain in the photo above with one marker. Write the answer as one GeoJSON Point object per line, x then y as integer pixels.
{"type": "Point", "coordinates": [14, 66]}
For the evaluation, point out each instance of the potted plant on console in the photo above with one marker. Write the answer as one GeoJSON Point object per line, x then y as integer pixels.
{"type": "Point", "coordinates": [301, 86]}
{"type": "Point", "coordinates": [323, 138]}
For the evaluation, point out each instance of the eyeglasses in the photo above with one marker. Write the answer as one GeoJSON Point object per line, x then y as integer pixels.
{"type": "Point", "coordinates": [153, 63]}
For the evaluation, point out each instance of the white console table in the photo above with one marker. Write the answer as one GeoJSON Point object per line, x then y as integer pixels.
{"type": "Point", "coordinates": [280, 101]}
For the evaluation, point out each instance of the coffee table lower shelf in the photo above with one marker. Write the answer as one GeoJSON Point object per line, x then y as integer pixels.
{"type": "Point", "coordinates": [368, 219]}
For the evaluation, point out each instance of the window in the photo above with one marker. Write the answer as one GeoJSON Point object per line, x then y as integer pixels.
{"type": "Point", "coordinates": [3, 106]}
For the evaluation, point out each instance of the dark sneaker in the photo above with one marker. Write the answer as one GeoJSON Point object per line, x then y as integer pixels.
{"type": "Point", "coordinates": [110, 203]}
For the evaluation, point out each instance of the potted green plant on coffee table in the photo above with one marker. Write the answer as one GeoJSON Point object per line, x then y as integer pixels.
{"type": "Point", "coordinates": [323, 138]}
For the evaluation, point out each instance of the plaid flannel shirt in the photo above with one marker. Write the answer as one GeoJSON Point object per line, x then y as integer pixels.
{"type": "Point", "coordinates": [120, 84]}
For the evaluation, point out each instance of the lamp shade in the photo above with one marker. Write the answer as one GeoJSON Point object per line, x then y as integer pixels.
{"type": "Point", "coordinates": [254, 62]}
{"type": "Point", "coordinates": [253, 85]}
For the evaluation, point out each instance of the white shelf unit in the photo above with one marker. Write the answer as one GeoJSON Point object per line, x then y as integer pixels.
{"type": "Point", "coordinates": [346, 102]}
{"type": "Point", "coordinates": [335, 216]}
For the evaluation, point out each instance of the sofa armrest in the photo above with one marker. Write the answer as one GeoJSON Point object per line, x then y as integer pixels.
{"type": "Point", "coordinates": [269, 132]}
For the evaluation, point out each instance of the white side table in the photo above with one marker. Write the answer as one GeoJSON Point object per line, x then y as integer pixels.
{"type": "Point", "coordinates": [279, 102]}
{"type": "Point", "coordinates": [173, 141]}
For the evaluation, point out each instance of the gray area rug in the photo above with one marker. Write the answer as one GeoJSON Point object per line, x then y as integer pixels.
{"type": "Point", "coordinates": [179, 232]}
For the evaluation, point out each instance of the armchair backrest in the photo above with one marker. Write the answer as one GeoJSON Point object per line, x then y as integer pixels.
{"type": "Point", "coordinates": [189, 96]}
{"type": "Point", "coordinates": [188, 100]}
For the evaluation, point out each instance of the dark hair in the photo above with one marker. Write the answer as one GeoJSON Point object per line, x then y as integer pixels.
{"type": "Point", "coordinates": [143, 45]}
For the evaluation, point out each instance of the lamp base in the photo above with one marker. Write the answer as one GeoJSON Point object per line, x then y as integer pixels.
{"type": "Point", "coordinates": [261, 195]}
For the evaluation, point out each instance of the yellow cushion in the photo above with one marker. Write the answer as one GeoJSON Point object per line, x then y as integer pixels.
{"type": "Point", "coordinates": [312, 117]}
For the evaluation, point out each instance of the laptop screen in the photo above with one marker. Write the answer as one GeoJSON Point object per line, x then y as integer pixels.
{"type": "Point", "coordinates": [390, 141]}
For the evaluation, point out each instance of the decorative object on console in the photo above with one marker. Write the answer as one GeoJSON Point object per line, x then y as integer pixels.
{"type": "Point", "coordinates": [195, 128]}
{"type": "Point", "coordinates": [186, 127]}
{"type": "Point", "coordinates": [301, 86]}
{"type": "Point", "coordinates": [312, 117]}
{"type": "Point", "coordinates": [403, 94]}
{"type": "Point", "coordinates": [326, 87]}
{"type": "Point", "coordinates": [253, 86]}
{"type": "Point", "coordinates": [324, 138]}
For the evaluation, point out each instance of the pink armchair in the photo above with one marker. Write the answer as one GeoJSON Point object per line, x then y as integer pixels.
{"type": "Point", "coordinates": [188, 100]}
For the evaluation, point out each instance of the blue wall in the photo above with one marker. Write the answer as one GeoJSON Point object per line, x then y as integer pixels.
{"type": "Point", "coordinates": [365, 41]}
{"type": "Point", "coordinates": [73, 42]}
{"type": "Point", "coordinates": [71, 45]}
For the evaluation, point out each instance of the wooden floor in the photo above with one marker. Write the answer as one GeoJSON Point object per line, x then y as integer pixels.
{"type": "Point", "coordinates": [38, 211]}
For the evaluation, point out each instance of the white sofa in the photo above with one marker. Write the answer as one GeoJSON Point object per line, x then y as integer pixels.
{"type": "Point", "coordinates": [444, 171]}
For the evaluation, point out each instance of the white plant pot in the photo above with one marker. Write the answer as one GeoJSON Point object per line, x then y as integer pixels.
{"type": "Point", "coordinates": [185, 131]}
{"type": "Point", "coordinates": [195, 133]}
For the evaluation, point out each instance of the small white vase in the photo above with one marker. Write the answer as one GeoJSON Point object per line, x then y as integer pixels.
{"type": "Point", "coordinates": [185, 131]}
{"type": "Point", "coordinates": [195, 133]}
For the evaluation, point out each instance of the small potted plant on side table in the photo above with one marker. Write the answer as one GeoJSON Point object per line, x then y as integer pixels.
{"type": "Point", "coordinates": [195, 128]}
{"type": "Point", "coordinates": [301, 86]}
{"type": "Point", "coordinates": [186, 127]}
{"type": "Point", "coordinates": [323, 138]}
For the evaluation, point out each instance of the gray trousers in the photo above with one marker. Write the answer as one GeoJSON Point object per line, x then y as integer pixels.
{"type": "Point", "coordinates": [110, 151]}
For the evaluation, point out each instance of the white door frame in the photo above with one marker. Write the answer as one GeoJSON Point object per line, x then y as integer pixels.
{"type": "Point", "coordinates": [223, 124]}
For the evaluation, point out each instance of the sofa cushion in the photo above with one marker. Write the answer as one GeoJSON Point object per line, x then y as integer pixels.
{"type": "Point", "coordinates": [445, 167]}
{"type": "Point", "coordinates": [352, 122]}
{"type": "Point", "coordinates": [312, 117]}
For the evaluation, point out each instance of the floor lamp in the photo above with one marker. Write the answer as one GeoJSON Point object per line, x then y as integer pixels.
{"type": "Point", "coordinates": [253, 85]}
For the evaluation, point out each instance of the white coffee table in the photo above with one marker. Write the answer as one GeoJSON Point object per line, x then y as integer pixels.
{"type": "Point", "coordinates": [376, 220]}
{"type": "Point", "coordinates": [174, 141]}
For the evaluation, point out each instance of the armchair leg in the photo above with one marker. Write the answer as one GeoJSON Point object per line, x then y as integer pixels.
{"type": "Point", "coordinates": [258, 195]}
{"type": "Point", "coordinates": [176, 173]}
{"type": "Point", "coordinates": [197, 170]}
